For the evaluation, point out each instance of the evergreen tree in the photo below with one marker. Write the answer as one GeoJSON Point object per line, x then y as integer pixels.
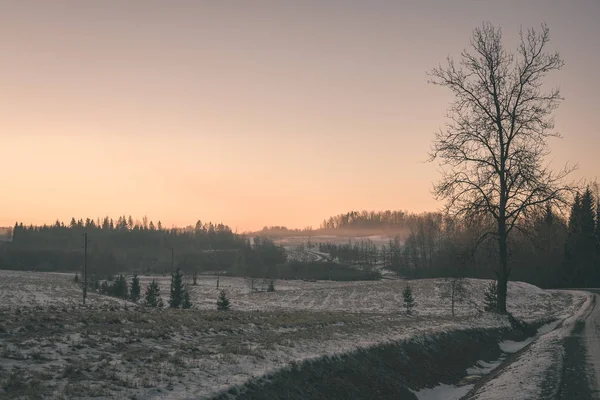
{"type": "Point", "coordinates": [105, 288]}
{"type": "Point", "coordinates": [580, 246]}
{"type": "Point", "coordinates": [177, 289]}
{"type": "Point", "coordinates": [134, 293]}
{"type": "Point", "coordinates": [409, 301]}
{"type": "Point", "coordinates": [152, 296]}
{"type": "Point", "coordinates": [271, 286]}
{"type": "Point", "coordinates": [598, 235]}
{"type": "Point", "coordinates": [76, 279]}
{"type": "Point", "coordinates": [571, 273]}
{"type": "Point", "coordinates": [120, 289]}
{"type": "Point", "coordinates": [223, 302]}
{"type": "Point", "coordinates": [186, 303]}
{"type": "Point", "coordinates": [490, 297]}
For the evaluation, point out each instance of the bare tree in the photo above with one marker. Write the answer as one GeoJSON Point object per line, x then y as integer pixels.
{"type": "Point", "coordinates": [492, 150]}
{"type": "Point", "coordinates": [455, 289]}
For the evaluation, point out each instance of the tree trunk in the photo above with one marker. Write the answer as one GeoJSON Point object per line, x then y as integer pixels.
{"type": "Point", "coordinates": [502, 273]}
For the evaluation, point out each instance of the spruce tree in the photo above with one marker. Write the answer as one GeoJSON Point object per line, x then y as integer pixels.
{"type": "Point", "coordinates": [223, 302]}
{"type": "Point", "coordinates": [571, 270]}
{"type": "Point", "coordinates": [135, 290]}
{"type": "Point", "coordinates": [120, 287]}
{"type": "Point", "coordinates": [271, 286]}
{"type": "Point", "coordinates": [490, 297]}
{"type": "Point", "coordinates": [409, 301]}
{"type": "Point", "coordinates": [152, 296]}
{"type": "Point", "coordinates": [177, 289]}
{"type": "Point", "coordinates": [580, 246]}
{"type": "Point", "coordinates": [598, 235]}
{"type": "Point", "coordinates": [186, 303]}
{"type": "Point", "coordinates": [588, 238]}
{"type": "Point", "coordinates": [105, 288]}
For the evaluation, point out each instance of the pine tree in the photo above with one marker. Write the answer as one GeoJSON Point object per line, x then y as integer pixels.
{"type": "Point", "coordinates": [580, 246]}
{"type": "Point", "coordinates": [223, 302]}
{"type": "Point", "coordinates": [105, 288]}
{"type": "Point", "coordinates": [120, 289]}
{"type": "Point", "coordinates": [134, 294]}
{"type": "Point", "coordinates": [598, 236]}
{"type": "Point", "coordinates": [490, 297]}
{"type": "Point", "coordinates": [588, 238]}
{"type": "Point", "coordinates": [571, 269]}
{"type": "Point", "coordinates": [177, 289]}
{"type": "Point", "coordinates": [186, 303]}
{"type": "Point", "coordinates": [152, 296]}
{"type": "Point", "coordinates": [271, 286]}
{"type": "Point", "coordinates": [409, 301]}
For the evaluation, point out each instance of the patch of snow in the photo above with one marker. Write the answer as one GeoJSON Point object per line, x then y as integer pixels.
{"type": "Point", "coordinates": [509, 346]}
{"type": "Point", "coordinates": [443, 392]}
{"type": "Point", "coordinates": [483, 367]}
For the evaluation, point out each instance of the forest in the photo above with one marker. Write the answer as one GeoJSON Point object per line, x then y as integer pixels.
{"type": "Point", "coordinates": [553, 248]}
{"type": "Point", "coordinates": [550, 249]}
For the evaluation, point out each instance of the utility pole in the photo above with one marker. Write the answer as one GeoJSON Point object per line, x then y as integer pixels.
{"type": "Point", "coordinates": [85, 245]}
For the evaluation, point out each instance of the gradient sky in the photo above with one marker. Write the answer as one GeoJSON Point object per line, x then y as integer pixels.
{"type": "Point", "coordinates": [251, 112]}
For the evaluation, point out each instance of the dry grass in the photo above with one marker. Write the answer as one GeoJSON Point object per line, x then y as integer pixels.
{"type": "Point", "coordinates": [116, 349]}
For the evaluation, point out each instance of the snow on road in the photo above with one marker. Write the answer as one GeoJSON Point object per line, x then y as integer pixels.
{"type": "Point", "coordinates": [541, 362]}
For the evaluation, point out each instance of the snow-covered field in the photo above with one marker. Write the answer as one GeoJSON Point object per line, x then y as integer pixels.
{"type": "Point", "coordinates": [50, 344]}
{"type": "Point", "coordinates": [29, 289]}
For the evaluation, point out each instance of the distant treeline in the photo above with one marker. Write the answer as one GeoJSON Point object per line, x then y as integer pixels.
{"type": "Point", "coordinates": [355, 223]}
{"type": "Point", "coordinates": [122, 245]}
{"type": "Point", "coordinates": [546, 250]}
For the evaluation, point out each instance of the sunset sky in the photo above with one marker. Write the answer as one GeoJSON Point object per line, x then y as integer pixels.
{"type": "Point", "coordinates": [252, 113]}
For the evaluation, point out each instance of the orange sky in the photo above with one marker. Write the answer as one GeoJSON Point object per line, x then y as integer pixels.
{"type": "Point", "coordinates": [250, 113]}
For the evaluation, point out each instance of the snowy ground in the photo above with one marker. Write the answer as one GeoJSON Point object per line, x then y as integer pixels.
{"type": "Point", "coordinates": [29, 289]}
{"type": "Point", "coordinates": [524, 379]}
{"type": "Point", "coordinates": [51, 345]}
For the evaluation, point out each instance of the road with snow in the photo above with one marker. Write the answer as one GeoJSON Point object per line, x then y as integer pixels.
{"type": "Point", "coordinates": [581, 367]}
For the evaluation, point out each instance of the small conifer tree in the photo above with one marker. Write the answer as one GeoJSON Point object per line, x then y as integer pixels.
{"type": "Point", "coordinates": [152, 296]}
{"type": "Point", "coordinates": [409, 300]}
{"type": "Point", "coordinates": [490, 297]}
{"type": "Point", "coordinates": [186, 303]}
{"type": "Point", "coordinates": [119, 288]}
{"type": "Point", "coordinates": [105, 288]}
{"type": "Point", "coordinates": [177, 289]}
{"type": "Point", "coordinates": [271, 286]}
{"type": "Point", "coordinates": [76, 279]}
{"type": "Point", "coordinates": [134, 293]}
{"type": "Point", "coordinates": [223, 302]}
